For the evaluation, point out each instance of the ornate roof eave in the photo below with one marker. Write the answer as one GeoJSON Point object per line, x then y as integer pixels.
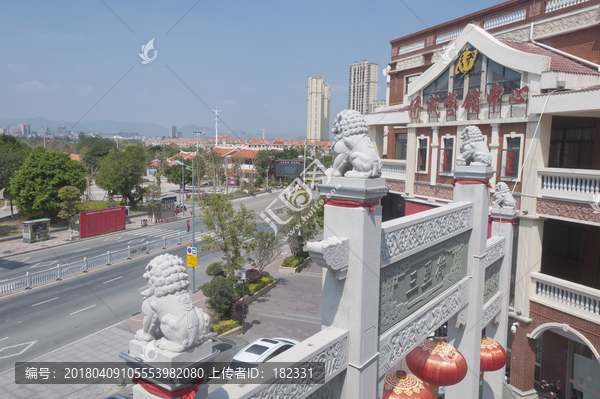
{"type": "Point", "coordinates": [488, 45]}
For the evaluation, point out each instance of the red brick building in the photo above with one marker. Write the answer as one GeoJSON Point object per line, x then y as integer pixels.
{"type": "Point", "coordinates": [527, 75]}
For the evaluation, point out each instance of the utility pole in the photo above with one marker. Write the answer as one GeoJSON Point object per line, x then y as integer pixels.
{"type": "Point", "coordinates": [216, 111]}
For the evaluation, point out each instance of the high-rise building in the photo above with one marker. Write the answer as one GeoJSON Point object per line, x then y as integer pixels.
{"type": "Point", "coordinates": [61, 131]}
{"type": "Point", "coordinates": [179, 135]}
{"type": "Point", "coordinates": [25, 129]}
{"type": "Point", "coordinates": [363, 86]}
{"type": "Point", "coordinates": [172, 132]}
{"type": "Point", "coordinates": [317, 115]}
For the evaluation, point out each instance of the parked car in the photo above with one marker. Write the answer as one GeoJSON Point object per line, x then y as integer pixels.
{"type": "Point", "coordinates": [260, 351]}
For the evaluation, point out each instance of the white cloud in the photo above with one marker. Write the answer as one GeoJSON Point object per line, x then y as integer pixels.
{"type": "Point", "coordinates": [16, 67]}
{"type": "Point", "coordinates": [35, 85]}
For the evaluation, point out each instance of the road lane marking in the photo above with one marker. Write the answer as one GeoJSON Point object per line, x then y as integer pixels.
{"type": "Point", "coordinates": [84, 249]}
{"type": "Point", "coordinates": [199, 299]}
{"type": "Point", "coordinates": [19, 260]}
{"type": "Point", "coordinates": [48, 263]}
{"type": "Point", "coordinates": [81, 310]}
{"type": "Point", "coordinates": [29, 344]}
{"type": "Point", "coordinates": [112, 280]}
{"type": "Point", "coordinates": [46, 301]}
{"type": "Point", "coordinates": [3, 338]}
{"type": "Point", "coordinates": [143, 288]}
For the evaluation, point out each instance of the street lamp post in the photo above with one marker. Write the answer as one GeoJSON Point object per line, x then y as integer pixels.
{"type": "Point", "coordinates": [243, 301]}
{"type": "Point", "coordinates": [267, 184]}
{"type": "Point", "coordinates": [193, 218]}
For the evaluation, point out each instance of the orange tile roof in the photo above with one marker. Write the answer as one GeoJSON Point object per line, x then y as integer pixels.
{"type": "Point", "coordinates": [75, 157]}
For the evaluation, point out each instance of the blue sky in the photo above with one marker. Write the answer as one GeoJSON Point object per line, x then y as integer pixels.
{"type": "Point", "coordinates": [249, 59]}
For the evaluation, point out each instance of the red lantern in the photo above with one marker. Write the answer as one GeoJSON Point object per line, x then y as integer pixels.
{"type": "Point", "coordinates": [400, 385]}
{"type": "Point", "coordinates": [493, 355]}
{"type": "Point", "coordinates": [437, 363]}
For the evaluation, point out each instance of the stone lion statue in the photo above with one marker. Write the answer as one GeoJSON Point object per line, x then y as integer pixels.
{"type": "Point", "coordinates": [352, 148]}
{"type": "Point", "coordinates": [473, 150]}
{"type": "Point", "coordinates": [503, 197]}
{"type": "Point", "coordinates": [168, 305]}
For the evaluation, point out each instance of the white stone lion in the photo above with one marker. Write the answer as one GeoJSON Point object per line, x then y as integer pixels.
{"type": "Point", "coordinates": [503, 197]}
{"type": "Point", "coordinates": [352, 148]}
{"type": "Point", "coordinates": [168, 305]}
{"type": "Point", "coordinates": [473, 150]}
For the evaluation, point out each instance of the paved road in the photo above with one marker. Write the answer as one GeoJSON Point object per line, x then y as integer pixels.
{"type": "Point", "coordinates": [47, 317]}
{"type": "Point", "coordinates": [40, 320]}
{"type": "Point", "coordinates": [18, 265]}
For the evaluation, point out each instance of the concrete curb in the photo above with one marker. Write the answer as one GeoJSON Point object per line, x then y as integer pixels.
{"type": "Point", "coordinates": [294, 270]}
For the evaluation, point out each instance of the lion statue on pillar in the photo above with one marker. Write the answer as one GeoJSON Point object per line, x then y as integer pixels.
{"type": "Point", "coordinates": [503, 197]}
{"type": "Point", "coordinates": [473, 150]}
{"type": "Point", "coordinates": [354, 154]}
{"type": "Point", "coordinates": [168, 305]}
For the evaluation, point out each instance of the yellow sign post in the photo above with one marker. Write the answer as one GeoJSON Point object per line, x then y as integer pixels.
{"type": "Point", "coordinates": [192, 257]}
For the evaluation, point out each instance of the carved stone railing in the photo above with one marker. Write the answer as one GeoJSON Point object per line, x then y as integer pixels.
{"type": "Point", "coordinates": [569, 297]}
{"type": "Point", "coordinates": [447, 36]}
{"type": "Point", "coordinates": [393, 169]}
{"type": "Point", "coordinates": [405, 236]}
{"type": "Point", "coordinates": [553, 5]}
{"type": "Point", "coordinates": [411, 47]}
{"type": "Point", "coordinates": [576, 184]}
{"type": "Point", "coordinates": [505, 19]}
{"type": "Point", "coordinates": [329, 346]}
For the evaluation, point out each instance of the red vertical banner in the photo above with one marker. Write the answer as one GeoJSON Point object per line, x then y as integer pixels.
{"type": "Point", "coordinates": [101, 221]}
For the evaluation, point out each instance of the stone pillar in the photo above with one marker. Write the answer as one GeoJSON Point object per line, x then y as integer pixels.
{"type": "Point", "coordinates": [350, 255]}
{"type": "Point", "coordinates": [376, 133]}
{"type": "Point", "coordinates": [468, 338]}
{"type": "Point", "coordinates": [435, 145]}
{"type": "Point", "coordinates": [494, 150]}
{"type": "Point", "coordinates": [501, 225]}
{"type": "Point", "coordinates": [411, 161]}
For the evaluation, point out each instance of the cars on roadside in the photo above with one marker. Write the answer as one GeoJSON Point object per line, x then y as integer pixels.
{"type": "Point", "coordinates": [228, 347]}
{"type": "Point", "coordinates": [260, 351]}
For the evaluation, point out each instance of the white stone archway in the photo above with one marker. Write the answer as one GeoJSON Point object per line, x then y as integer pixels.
{"type": "Point", "coordinates": [565, 330]}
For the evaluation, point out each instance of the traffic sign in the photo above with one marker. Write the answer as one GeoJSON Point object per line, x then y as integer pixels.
{"type": "Point", "coordinates": [192, 258]}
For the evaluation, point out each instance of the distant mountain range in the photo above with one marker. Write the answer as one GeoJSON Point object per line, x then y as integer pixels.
{"type": "Point", "coordinates": [109, 127]}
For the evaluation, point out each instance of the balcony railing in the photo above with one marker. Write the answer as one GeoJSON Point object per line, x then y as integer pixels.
{"type": "Point", "coordinates": [553, 5]}
{"type": "Point", "coordinates": [571, 297]}
{"type": "Point", "coordinates": [505, 19]}
{"type": "Point", "coordinates": [393, 168]}
{"type": "Point", "coordinates": [577, 184]}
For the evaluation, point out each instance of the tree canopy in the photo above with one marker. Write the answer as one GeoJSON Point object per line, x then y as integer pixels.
{"type": "Point", "coordinates": [301, 225]}
{"type": "Point", "coordinates": [233, 231]}
{"type": "Point", "coordinates": [13, 153]}
{"type": "Point", "coordinates": [121, 171]}
{"type": "Point", "coordinates": [94, 149]}
{"type": "Point", "coordinates": [35, 185]}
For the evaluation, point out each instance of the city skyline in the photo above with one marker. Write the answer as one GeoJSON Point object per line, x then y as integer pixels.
{"type": "Point", "coordinates": [93, 71]}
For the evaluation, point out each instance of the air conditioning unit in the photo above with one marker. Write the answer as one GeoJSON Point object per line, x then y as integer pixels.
{"type": "Point", "coordinates": [560, 84]}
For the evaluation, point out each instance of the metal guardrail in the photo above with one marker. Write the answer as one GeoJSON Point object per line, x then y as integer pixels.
{"type": "Point", "coordinates": [61, 271]}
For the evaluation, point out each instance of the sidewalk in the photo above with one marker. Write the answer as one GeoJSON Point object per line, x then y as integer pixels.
{"type": "Point", "coordinates": [292, 309]}
{"type": "Point", "coordinates": [61, 237]}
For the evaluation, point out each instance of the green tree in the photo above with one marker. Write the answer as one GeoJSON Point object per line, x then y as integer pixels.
{"type": "Point", "coordinates": [220, 295]}
{"type": "Point", "coordinates": [70, 206]}
{"type": "Point", "coordinates": [13, 153]}
{"type": "Point", "coordinates": [233, 231]}
{"type": "Point", "coordinates": [152, 194]}
{"type": "Point", "coordinates": [267, 245]}
{"type": "Point", "coordinates": [36, 184]}
{"type": "Point", "coordinates": [173, 173]}
{"type": "Point", "coordinates": [121, 172]}
{"type": "Point", "coordinates": [301, 227]}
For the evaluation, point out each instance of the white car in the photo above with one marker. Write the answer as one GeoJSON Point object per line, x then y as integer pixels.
{"type": "Point", "coordinates": [261, 350]}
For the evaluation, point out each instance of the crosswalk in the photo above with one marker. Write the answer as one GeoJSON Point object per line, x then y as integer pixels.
{"type": "Point", "coordinates": [161, 232]}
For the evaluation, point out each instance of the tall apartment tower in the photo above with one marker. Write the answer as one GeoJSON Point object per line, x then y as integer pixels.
{"type": "Point", "coordinates": [25, 129]}
{"type": "Point", "coordinates": [363, 86]}
{"type": "Point", "coordinates": [317, 115]}
{"type": "Point", "coordinates": [172, 132]}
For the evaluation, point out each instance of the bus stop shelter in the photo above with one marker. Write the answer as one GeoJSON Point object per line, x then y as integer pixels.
{"type": "Point", "coordinates": [36, 230]}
